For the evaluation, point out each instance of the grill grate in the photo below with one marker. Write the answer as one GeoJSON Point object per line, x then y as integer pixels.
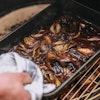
{"type": "Point", "coordinates": [87, 87]}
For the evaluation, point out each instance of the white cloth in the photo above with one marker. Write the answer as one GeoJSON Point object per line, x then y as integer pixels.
{"type": "Point", "coordinates": [12, 62]}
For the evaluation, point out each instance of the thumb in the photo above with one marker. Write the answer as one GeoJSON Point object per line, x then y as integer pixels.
{"type": "Point", "coordinates": [25, 78]}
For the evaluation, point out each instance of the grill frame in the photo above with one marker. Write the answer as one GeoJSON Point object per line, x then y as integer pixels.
{"type": "Point", "coordinates": [52, 12]}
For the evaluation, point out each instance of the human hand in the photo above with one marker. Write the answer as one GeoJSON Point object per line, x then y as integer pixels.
{"type": "Point", "coordinates": [11, 86]}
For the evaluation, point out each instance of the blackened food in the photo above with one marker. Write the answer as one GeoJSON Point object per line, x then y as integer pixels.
{"type": "Point", "coordinates": [62, 48]}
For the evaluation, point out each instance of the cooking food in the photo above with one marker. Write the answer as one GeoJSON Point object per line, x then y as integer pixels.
{"type": "Point", "coordinates": [62, 48]}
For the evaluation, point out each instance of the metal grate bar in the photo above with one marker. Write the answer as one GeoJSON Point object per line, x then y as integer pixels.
{"type": "Point", "coordinates": [83, 96]}
{"type": "Point", "coordinates": [94, 97]}
{"type": "Point", "coordinates": [92, 91]}
{"type": "Point", "coordinates": [79, 81]}
{"type": "Point", "coordinates": [84, 84]}
{"type": "Point", "coordinates": [93, 85]}
{"type": "Point", "coordinates": [88, 94]}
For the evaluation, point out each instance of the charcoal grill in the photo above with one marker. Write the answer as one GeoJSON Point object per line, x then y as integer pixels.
{"type": "Point", "coordinates": [48, 16]}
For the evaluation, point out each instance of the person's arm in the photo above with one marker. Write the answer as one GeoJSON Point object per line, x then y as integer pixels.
{"type": "Point", "coordinates": [12, 86]}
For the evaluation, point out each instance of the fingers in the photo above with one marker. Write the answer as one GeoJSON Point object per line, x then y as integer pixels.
{"type": "Point", "coordinates": [26, 95]}
{"type": "Point", "coordinates": [25, 78]}
{"type": "Point", "coordinates": [11, 86]}
{"type": "Point", "coordinates": [22, 94]}
{"type": "Point", "coordinates": [19, 93]}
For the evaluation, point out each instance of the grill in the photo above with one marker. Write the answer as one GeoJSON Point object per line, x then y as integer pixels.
{"type": "Point", "coordinates": [87, 87]}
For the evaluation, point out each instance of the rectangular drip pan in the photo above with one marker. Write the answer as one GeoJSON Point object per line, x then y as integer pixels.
{"type": "Point", "coordinates": [46, 17]}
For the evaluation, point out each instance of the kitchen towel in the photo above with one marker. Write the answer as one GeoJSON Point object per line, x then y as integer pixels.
{"type": "Point", "coordinates": [13, 62]}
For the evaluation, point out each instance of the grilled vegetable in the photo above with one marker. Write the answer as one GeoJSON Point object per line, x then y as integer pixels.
{"type": "Point", "coordinates": [77, 35]}
{"type": "Point", "coordinates": [51, 55]}
{"type": "Point", "coordinates": [62, 48]}
{"type": "Point", "coordinates": [55, 28]}
{"type": "Point", "coordinates": [57, 68]}
{"type": "Point", "coordinates": [57, 82]}
{"type": "Point", "coordinates": [48, 39]}
{"type": "Point", "coordinates": [29, 41]}
{"type": "Point", "coordinates": [86, 51]}
{"type": "Point", "coordinates": [94, 39]}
